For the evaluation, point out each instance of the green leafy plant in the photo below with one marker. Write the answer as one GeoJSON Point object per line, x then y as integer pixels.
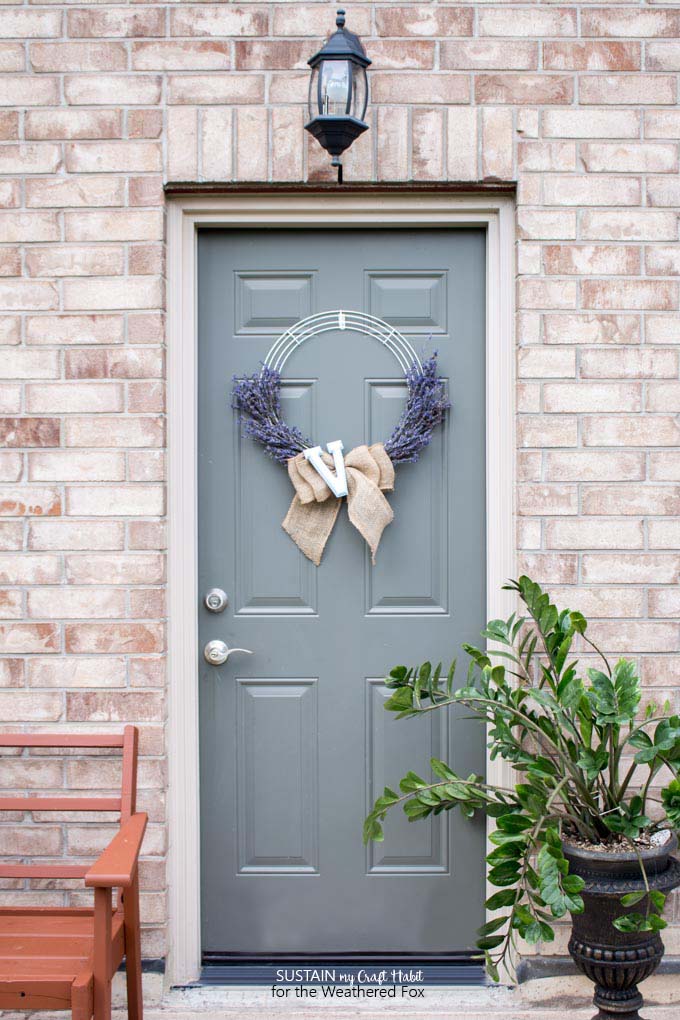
{"type": "Point", "coordinates": [578, 747]}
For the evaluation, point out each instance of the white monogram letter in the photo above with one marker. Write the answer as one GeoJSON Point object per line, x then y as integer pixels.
{"type": "Point", "coordinates": [337, 482]}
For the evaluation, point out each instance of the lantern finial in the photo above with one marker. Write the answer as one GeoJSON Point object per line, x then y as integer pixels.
{"type": "Point", "coordinates": [340, 20]}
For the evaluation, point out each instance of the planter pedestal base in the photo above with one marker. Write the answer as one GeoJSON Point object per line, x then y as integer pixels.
{"type": "Point", "coordinates": [617, 962]}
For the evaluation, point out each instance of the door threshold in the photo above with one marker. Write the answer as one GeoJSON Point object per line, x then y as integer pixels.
{"type": "Point", "coordinates": [367, 970]}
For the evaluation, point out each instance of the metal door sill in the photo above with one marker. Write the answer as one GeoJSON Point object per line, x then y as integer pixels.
{"type": "Point", "coordinates": [438, 969]}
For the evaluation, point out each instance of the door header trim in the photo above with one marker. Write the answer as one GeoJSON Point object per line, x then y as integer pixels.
{"type": "Point", "coordinates": [334, 208]}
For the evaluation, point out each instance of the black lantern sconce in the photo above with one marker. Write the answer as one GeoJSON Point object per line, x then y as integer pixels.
{"type": "Point", "coordinates": [338, 92]}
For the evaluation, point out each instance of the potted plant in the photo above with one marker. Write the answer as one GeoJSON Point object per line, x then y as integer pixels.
{"type": "Point", "coordinates": [585, 830]}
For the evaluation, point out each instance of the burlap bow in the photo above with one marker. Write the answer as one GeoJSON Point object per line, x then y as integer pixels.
{"type": "Point", "coordinates": [314, 509]}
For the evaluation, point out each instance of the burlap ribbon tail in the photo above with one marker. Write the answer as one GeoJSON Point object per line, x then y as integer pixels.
{"type": "Point", "coordinates": [314, 509]}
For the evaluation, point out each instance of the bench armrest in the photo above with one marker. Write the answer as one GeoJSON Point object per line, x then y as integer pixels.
{"type": "Point", "coordinates": [117, 865]}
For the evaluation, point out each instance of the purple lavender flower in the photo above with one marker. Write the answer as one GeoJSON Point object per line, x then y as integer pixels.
{"type": "Point", "coordinates": [426, 406]}
{"type": "Point", "coordinates": [257, 398]}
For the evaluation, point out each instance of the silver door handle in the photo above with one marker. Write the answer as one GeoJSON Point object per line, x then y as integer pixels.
{"type": "Point", "coordinates": [217, 652]}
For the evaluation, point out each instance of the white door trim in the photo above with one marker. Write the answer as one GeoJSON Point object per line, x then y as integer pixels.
{"type": "Point", "coordinates": [299, 209]}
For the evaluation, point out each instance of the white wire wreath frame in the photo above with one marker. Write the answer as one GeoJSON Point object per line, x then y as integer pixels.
{"type": "Point", "coordinates": [358, 322]}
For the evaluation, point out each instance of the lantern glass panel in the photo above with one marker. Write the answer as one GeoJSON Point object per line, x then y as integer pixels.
{"type": "Point", "coordinates": [335, 87]}
{"type": "Point", "coordinates": [359, 93]}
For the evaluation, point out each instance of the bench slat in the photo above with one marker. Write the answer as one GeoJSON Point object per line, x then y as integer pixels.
{"type": "Point", "coordinates": [43, 871]}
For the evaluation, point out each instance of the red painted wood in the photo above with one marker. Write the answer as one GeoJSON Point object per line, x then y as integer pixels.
{"type": "Point", "coordinates": [43, 870]}
{"type": "Point", "coordinates": [117, 866]}
{"type": "Point", "coordinates": [60, 803]}
{"type": "Point", "coordinates": [54, 958]}
{"type": "Point", "coordinates": [129, 781]}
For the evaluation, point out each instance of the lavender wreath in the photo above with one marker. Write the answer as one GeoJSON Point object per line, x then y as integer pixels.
{"type": "Point", "coordinates": [257, 398]}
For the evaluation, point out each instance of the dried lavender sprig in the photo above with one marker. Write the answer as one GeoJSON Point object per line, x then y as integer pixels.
{"type": "Point", "coordinates": [257, 398]}
{"type": "Point", "coordinates": [426, 406]}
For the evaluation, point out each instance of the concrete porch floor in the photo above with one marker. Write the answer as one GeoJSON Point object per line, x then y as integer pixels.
{"type": "Point", "coordinates": [545, 999]}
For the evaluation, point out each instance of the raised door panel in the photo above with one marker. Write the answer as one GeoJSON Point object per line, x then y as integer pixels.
{"type": "Point", "coordinates": [277, 742]}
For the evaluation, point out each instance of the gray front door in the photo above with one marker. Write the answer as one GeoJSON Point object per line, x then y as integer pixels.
{"type": "Point", "coordinates": [295, 743]}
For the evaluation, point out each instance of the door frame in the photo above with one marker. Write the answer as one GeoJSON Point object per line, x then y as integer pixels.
{"type": "Point", "coordinates": [301, 208]}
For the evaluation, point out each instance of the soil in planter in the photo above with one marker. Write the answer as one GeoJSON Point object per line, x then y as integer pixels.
{"type": "Point", "coordinates": [616, 843]}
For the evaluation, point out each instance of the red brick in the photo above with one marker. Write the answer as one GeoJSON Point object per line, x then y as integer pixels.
{"type": "Point", "coordinates": [594, 534]}
{"type": "Point", "coordinates": [145, 123]}
{"type": "Point", "coordinates": [581, 260]}
{"type": "Point", "coordinates": [147, 535]}
{"type": "Point", "coordinates": [547, 500]}
{"type": "Point", "coordinates": [540, 155]}
{"type": "Point", "coordinates": [628, 430]}
{"type": "Point", "coordinates": [628, 89]}
{"type": "Point", "coordinates": [27, 90]}
{"type": "Point", "coordinates": [146, 190]}
{"type": "Point", "coordinates": [74, 329]}
{"type": "Point", "coordinates": [643, 294]}
{"type": "Point", "coordinates": [591, 123]}
{"type": "Point", "coordinates": [110, 637]}
{"type": "Point", "coordinates": [428, 144]}
{"type": "Point", "coordinates": [116, 364]}
{"type": "Point", "coordinates": [58, 260]}
{"type": "Point", "coordinates": [24, 23]}
{"type": "Point", "coordinates": [79, 57]}
{"type": "Point", "coordinates": [662, 260]}
{"type": "Point", "coordinates": [594, 466]}
{"type": "Point", "coordinates": [591, 56]}
{"type": "Point", "coordinates": [422, 20]}
{"type": "Point", "coordinates": [87, 535]}
{"type": "Point", "coordinates": [489, 54]}
{"type": "Point", "coordinates": [124, 568]}
{"type": "Point", "coordinates": [420, 88]}
{"type": "Point", "coordinates": [76, 603]}
{"type": "Point", "coordinates": [109, 706]}
{"type": "Point", "coordinates": [12, 57]}
{"type": "Point", "coordinates": [603, 21]}
{"type": "Point", "coordinates": [629, 225]}
{"type": "Point", "coordinates": [115, 22]}
{"type": "Point", "coordinates": [46, 124]}
{"type": "Point", "coordinates": [98, 89]}
{"type": "Point", "coordinates": [127, 500]}
{"type": "Point", "coordinates": [93, 157]}
{"type": "Point", "coordinates": [523, 88]}
{"type": "Point", "coordinates": [497, 141]}
{"type": "Point", "coordinates": [215, 88]}
{"type": "Point", "coordinates": [111, 432]}
{"type": "Point", "coordinates": [29, 501]}
{"type": "Point", "coordinates": [219, 20]}
{"type": "Point", "coordinates": [527, 21]}
{"type": "Point", "coordinates": [550, 568]}
{"type": "Point", "coordinates": [21, 432]}
{"type": "Point", "coordinates": [11, 539]}
{"type": "Point", "coordinates": [636, 363]}
{"type": "Point", "coordinates": [9, 125]}
{"type": "Point", "coordinates": [79, 466]}
{"type": "Point", "coordinates": [580, 397]}
{"type": "Point", "coordinates": [176, 55]}
{"type": "Point", "coordinates": [21, 638]}
{"type": "Point", "coordinates": [75, 191]}
{"type": "Point", "coordinates": [638, 158]}
{"type": "Point", "coordinates": [80, 672]}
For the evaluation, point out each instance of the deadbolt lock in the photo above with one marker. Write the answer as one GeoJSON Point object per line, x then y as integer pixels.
{"type": "Point", "coordinates": [216, 600]}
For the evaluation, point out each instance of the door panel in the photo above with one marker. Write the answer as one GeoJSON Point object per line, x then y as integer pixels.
{"type": "Point", "coordinates": [295, 742]}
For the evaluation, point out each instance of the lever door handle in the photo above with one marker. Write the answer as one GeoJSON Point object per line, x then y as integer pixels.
{"type": "Point", "coordinates": [217, 652]}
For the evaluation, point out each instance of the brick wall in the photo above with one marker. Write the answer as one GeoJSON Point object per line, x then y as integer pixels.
{"type": "Point", "coordinates": [100, 103]}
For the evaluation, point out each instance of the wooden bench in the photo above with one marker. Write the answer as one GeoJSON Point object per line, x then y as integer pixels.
{"type": "Point", "coordinates": [65, 957]}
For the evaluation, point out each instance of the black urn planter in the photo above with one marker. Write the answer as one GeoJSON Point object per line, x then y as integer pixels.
{"type": "Point", "coordinates": [617, 961]}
